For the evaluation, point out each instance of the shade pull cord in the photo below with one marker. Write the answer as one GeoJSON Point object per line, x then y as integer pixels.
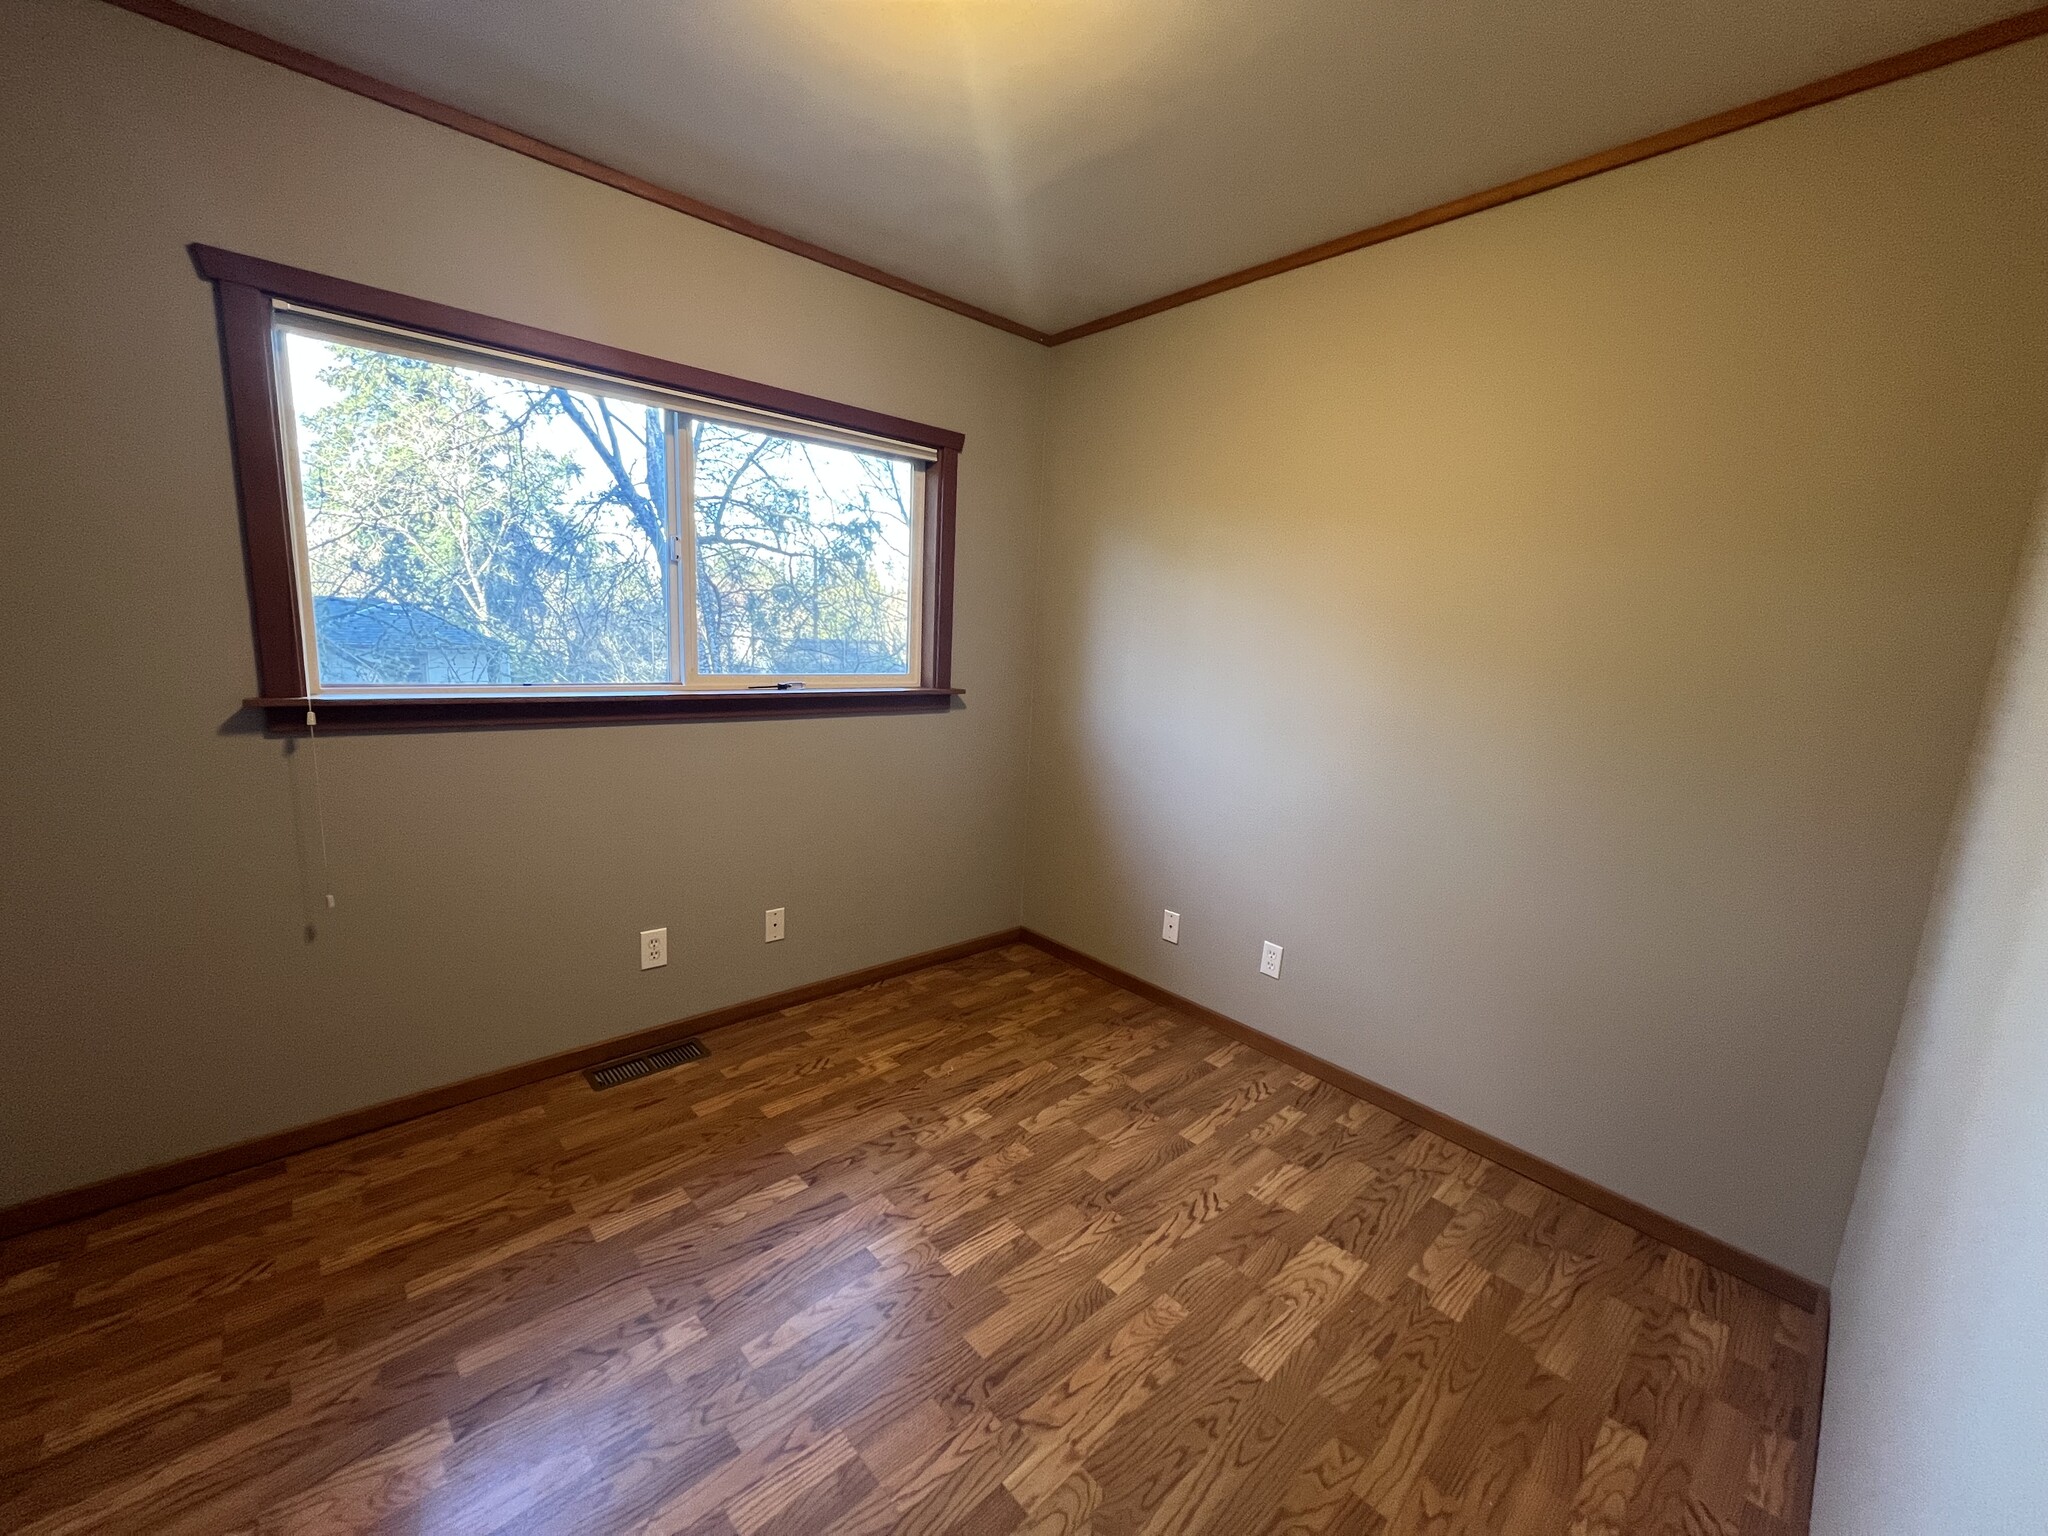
{"type": "Point", "coordinates": [319, 808]}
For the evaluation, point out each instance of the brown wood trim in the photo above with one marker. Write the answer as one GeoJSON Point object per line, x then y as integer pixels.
{"type": "Point", "coordinates": [360, 714]}
{"type": "Point", "coordinates": [247, 360]}
{"type": "Point", "coordinates": [298, 60]}
{"type": "Point", "coordinates": [244, 287]}
{"type": "Point", "coordinates": [122, 1189]}
{"type": "Point", "coordinates": [1759, 1272]}
{"type": "Point", "coordinates": [1985, 39]}
{"type": "Point", "coordinates": [364, 302]}
{"type": "Point", "coordinates": [1998, 34]}
{"type": "Point", "coordinates": [941, 493]}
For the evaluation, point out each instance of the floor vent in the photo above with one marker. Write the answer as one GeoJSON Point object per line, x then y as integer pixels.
{"type": "Point", "coordinates": [633, 1068]}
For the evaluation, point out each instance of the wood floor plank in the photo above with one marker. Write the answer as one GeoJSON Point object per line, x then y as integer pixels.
{"type": "Point", "coordinates": [992, 1247]}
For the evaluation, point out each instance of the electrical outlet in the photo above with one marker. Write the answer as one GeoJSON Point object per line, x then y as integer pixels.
{"type": "Point", "coordinates": [1269, 960]}
{"type": "Point", "coordinates": [653, 948]}
{"type": "Point", "coordinates": [1170, 929]}
{"type": "Point", "coordinates": [773, 925]}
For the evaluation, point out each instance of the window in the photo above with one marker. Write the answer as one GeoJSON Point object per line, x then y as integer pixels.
{"type": "Point", "coordinates": [456, 520]}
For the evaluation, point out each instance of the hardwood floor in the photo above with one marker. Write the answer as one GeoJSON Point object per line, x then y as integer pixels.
{"type": "Point", "coordinates": [993, 1247]}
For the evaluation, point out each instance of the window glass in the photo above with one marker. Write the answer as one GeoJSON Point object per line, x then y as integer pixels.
{"type": "Point", "coordinates": [803, 556]}
{"type": "Point", "coordinates": [462, 524]}
{"type": "Point", "coordinates": [466, 528]}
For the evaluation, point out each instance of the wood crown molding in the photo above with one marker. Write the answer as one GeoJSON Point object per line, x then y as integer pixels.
{"type": "Point", "coordinates": [2019, 28]}
{"type": "Point", "coordinates": [123, 1189]}
{"type": "Point", "coordinates": [298, 60]}
{"type": "Point", "coordinates": [1914, 61]}
{"type": "Point", "coordinates": [1770, 1278]}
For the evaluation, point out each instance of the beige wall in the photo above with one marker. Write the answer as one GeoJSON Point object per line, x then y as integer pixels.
{"type": "Point", "coordinates": [1936, 1415]}
{"type": "Point", "coordinates": [161, 997]}
{"type": "Point", "coordinates": [1563, 631]}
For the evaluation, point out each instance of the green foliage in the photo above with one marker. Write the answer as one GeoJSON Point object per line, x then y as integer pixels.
{"type": "Point", "coordinates": [781, 589]}
{"type": "Point", "coordinates": [468, 529]}
{"type": "Point", "coordinates": [429, 495]}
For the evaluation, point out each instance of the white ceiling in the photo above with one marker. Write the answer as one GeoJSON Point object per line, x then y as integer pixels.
{"type": "Point", "coordinates": [1056, 160]}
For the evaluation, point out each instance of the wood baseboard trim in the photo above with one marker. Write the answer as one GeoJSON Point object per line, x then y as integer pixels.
{"type": "Point", "coordinates": [123, 1189]}
{"type": "Point", "coordinates": [1767, 1277]}
{"type": "Point", "coordinates": [1761, 1273]}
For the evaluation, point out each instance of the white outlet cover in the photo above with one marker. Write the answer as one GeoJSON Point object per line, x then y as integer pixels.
{"type": "Point", "coordinates": [1169, 930]}
{"type": "Point", "coordinates": [772, 925]}
{"type": "Point", "coordinates": [653, 948]}
{"type": "Point", "coordinates": [1269, 960]}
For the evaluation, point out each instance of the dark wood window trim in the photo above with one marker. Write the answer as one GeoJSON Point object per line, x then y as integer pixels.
{"type": "Point", "coordinates": [244, 287]}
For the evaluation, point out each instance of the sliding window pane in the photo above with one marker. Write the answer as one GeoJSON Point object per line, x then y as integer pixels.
{"type": "Point", "coordinates": [463, 528]}
{"type": "Point", "coordinates": [803, 556]}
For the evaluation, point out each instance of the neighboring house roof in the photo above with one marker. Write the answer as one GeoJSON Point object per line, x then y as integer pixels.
{"type": "Point", "coordinates": [369, 623]}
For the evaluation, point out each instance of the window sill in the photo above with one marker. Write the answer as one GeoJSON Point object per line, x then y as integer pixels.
{"type": "Point", "coordinates": [344, 714]}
